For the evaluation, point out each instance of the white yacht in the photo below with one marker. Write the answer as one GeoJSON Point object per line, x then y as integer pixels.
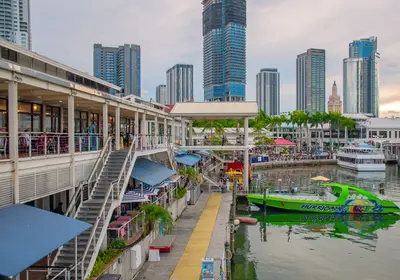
{"type": "Point", "coordinates": [361, 157]}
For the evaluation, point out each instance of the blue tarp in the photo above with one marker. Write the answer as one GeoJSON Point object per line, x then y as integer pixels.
{"type": "Point", "coordinates": [180, 153]}
{"type": "Point", "coordinates": [203, 152]}
{"type": "Point", "coordinates": [28, 234]}
{"type": "Point", "coordinates": [188, 160]}
{"type": "Point", "coordinates": [150, 173]}
{"type": "Point", "coordinates": [133, 196]}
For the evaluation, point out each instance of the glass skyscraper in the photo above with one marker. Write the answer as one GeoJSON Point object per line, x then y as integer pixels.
{"type": "Point", "coordinates": [361, 77]}
{"type": "Point", "coordinates": [224, 50]}
{"type": "Point", "coordinates": [180, 84]}
{"type": "Point", "coordinates": [268, 91]}
{"type": "Point", "coordinates": [311, 81]}
{"type": "Point", "coordinates": [15, 22]}
{"type": "Point", "coordinates": [119, 66]}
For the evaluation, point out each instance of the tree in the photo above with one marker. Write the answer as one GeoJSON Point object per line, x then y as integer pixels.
{"type": "Point", "coordinates": [282, 120]}
{"type": "Point", "coordinates": [190, 175]}
{"type": "Point", "coordinates": [263, 141]}
{"type": "Point", "coordinates": [154, 213]}
{"type": "Point", "coordinates": [347, 123]}
{"type": "Point", "coordinates": [334, 119]}
{"type": "Point", "coordinates": [315, 120]}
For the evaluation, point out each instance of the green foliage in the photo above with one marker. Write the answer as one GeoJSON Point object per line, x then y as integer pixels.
{"type": "Point", "coordinates": [190, 174]}
{"type": "Point", "coordinates": [155, 213]}
{"type": "Point", "coordinates": [118, 243]}
{"type": "Point", "coordinates": [104, 258]}
{"type": "Point", "coordinates": [181, 192]}
{"type": "Point", "coordinates": [263, 140]}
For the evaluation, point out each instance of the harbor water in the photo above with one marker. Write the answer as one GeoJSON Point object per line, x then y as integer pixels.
{"type": "Point", "coordinates": [285, 246]}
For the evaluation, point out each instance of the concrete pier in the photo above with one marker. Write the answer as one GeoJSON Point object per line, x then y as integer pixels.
{"type": "Point", "coordinates": [200, 232]}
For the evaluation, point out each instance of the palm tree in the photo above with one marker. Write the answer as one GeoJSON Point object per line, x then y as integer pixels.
{"type": "Point", "coordinates": [213, 125]}
{"type": "Point", "coordinates": [324, 120]}
{"type": "Point", "coordinates": [275, 123]}
{"type": "Point", "coordinates": [190, 175]}
{"type": "Point", "coordinates": [300, 118]}
{"type": "Point", "coordinates": [347, 123]}
{"type": "Point", "coordinates": [315, 120]}
{"type": "Point", "coordinates": [334, 119]}
{"type": "Point", "coordinates": [282, 120]}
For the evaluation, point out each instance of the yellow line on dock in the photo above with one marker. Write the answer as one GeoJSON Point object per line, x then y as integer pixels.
{"type": "Point", "coordinates": [189, 265]}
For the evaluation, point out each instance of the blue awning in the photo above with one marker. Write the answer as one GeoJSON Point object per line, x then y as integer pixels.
{"type": "Point", "coordinates": [203, 152]}
{"type": "Point", "coordinates": [150, 173]}
{"type": "Point", "coordinates": [188, 160]}
{"type": "Point", "coordinates": [131, 197]}
{"type": "Point", "coordinates": [180, 153]}
{"type": "Point", "coordinates": [147, 190]}
{"type": "Point", "coordinates": [28, 234]}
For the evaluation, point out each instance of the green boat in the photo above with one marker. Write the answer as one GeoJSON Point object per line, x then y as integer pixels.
{"type": "Point", "coordinates": [337, 199]}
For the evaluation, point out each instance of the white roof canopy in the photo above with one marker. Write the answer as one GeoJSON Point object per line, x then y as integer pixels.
{"type": "Point", "coordinates": [215, 110]}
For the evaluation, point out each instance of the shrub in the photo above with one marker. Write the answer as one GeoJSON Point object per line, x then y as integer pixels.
{"type": "Point", "coordinates": [180, 193]}
{"type": "Point", "coordinates": [118, 243]}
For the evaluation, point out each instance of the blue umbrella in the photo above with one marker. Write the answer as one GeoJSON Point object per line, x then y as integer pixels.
{"type": "Point", "coordinates": [319, 151]}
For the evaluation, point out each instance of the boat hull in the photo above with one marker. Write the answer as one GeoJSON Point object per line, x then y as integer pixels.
{"type": "Point", "coordinates": [363, 167]}
{"type": "Point", "coordinates": [355, 206]}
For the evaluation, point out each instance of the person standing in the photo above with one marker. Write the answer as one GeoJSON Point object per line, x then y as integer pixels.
{"type": "Point", "coordinates": [59, 209]}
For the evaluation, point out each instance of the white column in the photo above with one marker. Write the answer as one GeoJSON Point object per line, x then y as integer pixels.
{"type": "Point", "coordinates": [190, 133]}
{"type": "Point", "coordinates": [173, 140]}
{"type": "Point", "coordinates": [136, 123]}
{"type": "Point", "coordinates": [246, 155]}
{"type": "Point", "coordinates": [71, 138]}
{"type": "Point", "coordinates": [117, 128]}
{"type": "Point", "coordinates": [105, 122]}
{"type": "Point", "coordinates": [13, 136]}
{"type": "Point", "coordinates": [183, 132]}
{"type": "Point", "coordinates": [157, 130]}
{"type": "Point", "coordinates": [165, 131]}
{"type": "Point", "coordinates": [143, 130]}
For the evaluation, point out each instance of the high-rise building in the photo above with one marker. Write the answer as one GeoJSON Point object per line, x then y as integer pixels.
{"type": "Point", "coordinates": [310, 81]}
{"type": "Point", "coordinates": [355, 85]}
{"type": "Point", "coordinates": [334, 102]}
{"type": "Point", "coordinates": [161, 94]}
{"type": "Point", "coordinates": [180, 83]}
{"type": "Point", "coordinates": [120, 66]}
{"type": "Point", "coordinates": [268, 91]}
{"type": "Point", "coordinates": [361, 77]}
{"type": "Point", "coordinates": [224, 50]}
{"type": "Point", "coordinates": [15, 22]}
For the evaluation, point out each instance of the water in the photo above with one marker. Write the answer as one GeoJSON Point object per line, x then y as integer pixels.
{"type": "Point", "coordinates": [311, 246]}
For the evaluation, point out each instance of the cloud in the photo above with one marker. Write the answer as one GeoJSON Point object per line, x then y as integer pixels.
{"type": "Point", "coordinates": [277, 31]}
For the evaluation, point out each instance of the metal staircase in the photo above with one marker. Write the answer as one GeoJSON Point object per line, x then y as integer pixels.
{"type": "Point", "coordinates": [95, 204]}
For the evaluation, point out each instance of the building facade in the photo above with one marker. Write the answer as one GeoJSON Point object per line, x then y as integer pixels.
{"type": "Point", "coordinates": [268, 91]}
{"type": "Point", "coordinates": [120, 66]}
{"type": "Point", "coordinates": [361, 77]}
{"type": "Point", "coordinates": [180, 83]}
{"type": "Point", "coordinates": [311, 81]}
{"type": "Point", "coordinates": [15, 22]}
{"type": "Point", "coordinates": [161, 94]}
{"type": "Point", "coordinates": [224, 50]}
{"type": "Point", "coordinates": [334, 102]}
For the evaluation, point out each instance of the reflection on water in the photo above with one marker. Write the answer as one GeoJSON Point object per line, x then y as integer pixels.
{"type": "Point", "coordinates": [285, 245]}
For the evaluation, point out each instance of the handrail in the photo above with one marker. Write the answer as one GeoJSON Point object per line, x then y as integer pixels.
{"type": "Point", "coordinates": [101, 213]}
{"type": "Point", "coordinates": [94, 228]}
{"type": "Point", "coordinates": [78, 191]}
{"type": "Point", "coordinates": [106, 145]}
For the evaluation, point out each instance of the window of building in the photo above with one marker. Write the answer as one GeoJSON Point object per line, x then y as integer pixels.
{"type": "Point", "coordinates": [29, 117]}
{"type": "Point", "coordinates": [94, 119]}
{"type": "Point", "coordinates": [53, 119]}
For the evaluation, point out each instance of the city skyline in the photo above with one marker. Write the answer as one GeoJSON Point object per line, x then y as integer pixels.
{"type": "Point", "coordinates": [224, 50]}
{"type": "Point", "coordinates": [269, 91]}
{"type": "Point", "coordinates": [181, 40]}
{"type": "Point", "coordinates": [179, 84]}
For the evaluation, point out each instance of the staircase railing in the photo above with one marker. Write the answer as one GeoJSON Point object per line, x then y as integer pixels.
{"type": "Point", "coordinates": [171, 155]}
{"type": "Point", "coordinates": [114, 195]}
{"type": "Point", "coordinates": [84, 187]}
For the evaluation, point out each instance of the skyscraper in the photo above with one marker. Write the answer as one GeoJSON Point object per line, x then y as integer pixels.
{"type": "Point", "coordinates": [334, 102]}
{"type": "Point", "coordinates": [310, 81]}
{"type": "Point", "coordinates": [15, 22]}
{"type": "Point", "coordinates": [180, 83]}
{"type": "Point", "coordinates": [268, 91]}
{"type": "Point", "coordinates": [361, 77]}
{"type": "Point", "coordinates": [161, 94]}
{"type": "Point", "coordinates": [224, 50]}
{"type": "Point", "coordinates": [119, 66]}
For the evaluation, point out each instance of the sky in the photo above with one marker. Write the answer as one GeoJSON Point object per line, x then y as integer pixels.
{"type": "Point", "coordinates": [170, 32]}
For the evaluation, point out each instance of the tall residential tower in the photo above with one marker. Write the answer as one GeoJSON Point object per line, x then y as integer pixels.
{"type": "Point", "coordinates": [361, 77]}
{"type": "Point", "coordinates": [180, 83]}
{"type": "Point", "coordinates": [268, 91]}
{"type": "Point", "coordinates": [310, 81]}
{"type": "Point", "coordinates": [15, 22]}
{"type": "Point", "coordinates": [224, 50]}
{"type": "Point", "coordinates": [119, 66]}
{"type": "Point", "coordinates": [161, 94]}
